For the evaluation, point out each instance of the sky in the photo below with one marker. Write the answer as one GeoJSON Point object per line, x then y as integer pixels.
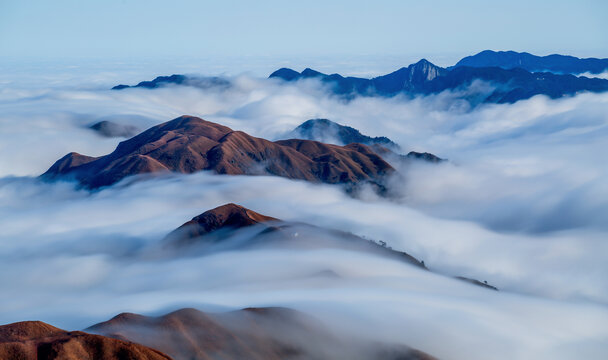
{"type": "Point", "coordinates": [522, 201]}
{"type": "Point", "coordinates": [442, 31]}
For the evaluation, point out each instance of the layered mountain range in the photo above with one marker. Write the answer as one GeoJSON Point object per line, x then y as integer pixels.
{"type": "Point", "coordinates": [425, 78]}
{"type": "Point", "coordinates": [511, 76]}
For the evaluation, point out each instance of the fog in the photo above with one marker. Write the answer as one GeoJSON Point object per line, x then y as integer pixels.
{"type": "Point", "coordinates": [522, 203]}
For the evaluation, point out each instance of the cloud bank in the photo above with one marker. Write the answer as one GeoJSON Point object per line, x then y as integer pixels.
{"type": "Point", "coordinates": [521, 204]}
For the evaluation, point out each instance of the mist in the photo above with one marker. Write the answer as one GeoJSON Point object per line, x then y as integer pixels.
{"type": "Point", "coordinates": [521, 203]}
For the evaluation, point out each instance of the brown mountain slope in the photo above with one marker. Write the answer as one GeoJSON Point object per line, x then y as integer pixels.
{"type": "Point", "coordinates": [219, 226]}
{"type": "Point", "coordinates": [253, 333]}
{"type": "Point", "coordinates": [225, 217]}
{"type": "Point", "coordinates": [35, 340]}
{"type": "Point", "coordinates": [189, 144]}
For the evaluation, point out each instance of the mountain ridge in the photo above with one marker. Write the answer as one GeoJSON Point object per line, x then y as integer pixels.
{"type": "Point", "coordinates": [511, 85]}
{"type": "Point", "coordinates": [533, 63]}
{"type": "Point", "coordinates": [189, 144]}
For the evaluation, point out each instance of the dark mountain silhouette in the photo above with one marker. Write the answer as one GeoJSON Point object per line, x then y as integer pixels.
{"type": "Point", "coordinates": [397, 159]}
{"type": "Point", "coordinates": [551, 63]}
{"type": "Point", "coordinates": [424, 156]}
{"type": "Point", "coordinates": [196, 81]}
{"type": "Point", "coordinates": [111, 129]}
{"type": "Point", "coordinates": [325, 130]}
{"type": "Point", "coordinates": [190, 144]}
{"type": "Point", "coordinates": [477, 282]}
{"type": "Point", "coordinates": [35, 340]}
{"type": "Point", "coordinates": [424, 78]}
{"type": "Point", "coordinates": [252, 333]}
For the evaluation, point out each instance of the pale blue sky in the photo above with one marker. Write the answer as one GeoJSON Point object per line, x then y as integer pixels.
{"type": "Point", "coordinates": [155, 28]}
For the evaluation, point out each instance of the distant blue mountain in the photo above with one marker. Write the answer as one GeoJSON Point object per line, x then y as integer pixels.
{"type": "Point", "coordinates": [424, 78]}
{"type": "Point", "coordinates": [327, 131]}
{"type": "Point", "coordinates": [551, 63]}
{"type": "Point", "coordinates": [201, 82]}
{"type": "Point", "coordinates": [514, 76]}
{"type": "Point", "coordinates": [411, 79]}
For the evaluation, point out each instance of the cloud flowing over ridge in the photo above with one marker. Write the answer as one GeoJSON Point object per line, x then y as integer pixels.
{"type": "Point", "coordinates": [521, 203]}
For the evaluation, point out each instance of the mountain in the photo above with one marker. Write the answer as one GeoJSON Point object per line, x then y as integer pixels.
{"type": "Point", "coordinates": [424, 156]}
{"type": "Point", "coordinates": [327, 131]}
{"type": "Point", "coordinates": [252, 333]}
{"type": "Point", "coordinates": [35, 340]}
{"type": "Point", "coordinates": [424, 78]}
{"type": "Point", "coordinates": [196, 81]}
{"type": "Point", "coordinates": [409, 79]}
{"type": "Point", "coordinates": [222, 218]}
{"type": "Point", "coordinates": [225, 227]}
{"type": "Point", "coordinates": [234, 227]}
{"type": "Point", "coordinates": [111, 129]}
{"type": "Point", "coordinates": [517, 84]}
{"type": "Point", "coordinates": [551, 63]}
{"type": "Point", "coordinates": [189, 144]}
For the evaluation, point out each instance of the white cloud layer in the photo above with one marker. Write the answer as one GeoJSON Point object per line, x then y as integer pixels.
{"type": "Point", "coordinates": [522, 203]}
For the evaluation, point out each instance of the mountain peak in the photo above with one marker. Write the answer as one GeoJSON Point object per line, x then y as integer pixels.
{"type": "Point", "coordinates": [230, 215]}
{"type": "Point", "coordinates": [423, 62]}
{"type": "Point", "coordinates": [225, 217]}
{"type": "Point", "coordinates": [285, 74]}
{"type": "Point", "coordinates": [424, 71]}
{"type": "Point", "coordinates": [308, 72]}
{"type": "Point", "coordinates": [20, 331]}
{"type": "Point", "coordinates": [38, 340]}
{"type": "Point", "coordinates": [325, 130]}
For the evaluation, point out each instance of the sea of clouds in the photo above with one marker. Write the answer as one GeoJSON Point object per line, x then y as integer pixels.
{"type": "Point", "coordinates": [522, 203]}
